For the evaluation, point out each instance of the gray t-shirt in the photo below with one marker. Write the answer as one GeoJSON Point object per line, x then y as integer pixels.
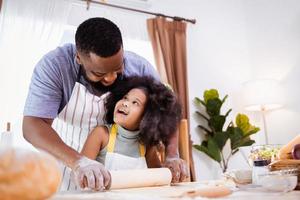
{"type": "Point", "coordinates": [126, 144]}
{"type": "Point", "coordinates": [56, 73]}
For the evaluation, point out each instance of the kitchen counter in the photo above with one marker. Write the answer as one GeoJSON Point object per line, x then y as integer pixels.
{"type": "Point", "coordinates": [171, 192]}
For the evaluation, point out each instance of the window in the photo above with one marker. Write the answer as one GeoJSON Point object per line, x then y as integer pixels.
{"type": "Point", "coordinates": [140, 47]}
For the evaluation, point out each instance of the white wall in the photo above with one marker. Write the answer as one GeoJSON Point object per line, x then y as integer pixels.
{"type": "Point", "coordinates": [235, 41]}
{"type": "Point", "coordinates": [26, 36]}
{"type": "Point", "coordinates": [28, 29]}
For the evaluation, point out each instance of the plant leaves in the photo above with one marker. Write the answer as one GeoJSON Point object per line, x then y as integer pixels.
{"type": "Point", "coordinates": [251, 132]}
{"type": "Point", "coordinates": [228, 112]}
{"type": "Point", "coordinates": [203, 149]}
{"type": "Point", "coordinates": [206, 130]}
{"type": "Point", "coordinates": [237, 138]}
{"type": "Point", "coordinates": [224, 99]}
{"type": "Point", "coordinates": [245, 143]}
{"type": "Point", "coordinates": [217, 122]}
{"type": "Point", "coordinates": [242, 121]}
{"type": "Point", "coordinates": [199, 101]}
{"type": "Point", "coordinates": [201, 115]}
{"type": "Point", "coordinates": [216, 137]}
{"type": "Point", "coordinates": [235, 134]}
{"type": "Point", "coordinates": [210, 148]}
{"type": "Point", "coordinates": [213, 107]}
{"type": "Point", "coordinates": [210, 94]}
{"type": "Point", "coordinates": [213, 149]}
{"type": "Point", "coordinates": [204, 143]}
{"type": "Point", "coordinates": [220, 139]}
{"type": "Point", "coordinates": [235, 151]}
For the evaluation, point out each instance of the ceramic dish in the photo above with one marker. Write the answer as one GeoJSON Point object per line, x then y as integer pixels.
{"type": "Point", "coordinates": [240, 177]}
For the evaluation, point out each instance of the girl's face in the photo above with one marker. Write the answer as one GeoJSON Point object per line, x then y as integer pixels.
{"type": "Point", "coordinates": [129, 110]}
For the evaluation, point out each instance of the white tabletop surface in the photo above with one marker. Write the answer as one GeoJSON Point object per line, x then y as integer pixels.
{"type": "Point", "coordinates": [173, 192]}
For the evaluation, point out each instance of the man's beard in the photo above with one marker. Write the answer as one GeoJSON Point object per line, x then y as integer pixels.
{"type": "Point", "coordinates": [99, 86]}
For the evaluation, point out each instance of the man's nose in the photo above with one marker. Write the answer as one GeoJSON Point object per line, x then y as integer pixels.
{"type": "Point", "coordinates": [110, 78]}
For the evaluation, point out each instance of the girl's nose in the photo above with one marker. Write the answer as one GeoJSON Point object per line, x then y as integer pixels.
{"type": "Point", "coordinates": [125, 104]}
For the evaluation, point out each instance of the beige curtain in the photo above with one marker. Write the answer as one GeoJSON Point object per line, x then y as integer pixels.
{"type": "Point", "coordinates": [168, 40]}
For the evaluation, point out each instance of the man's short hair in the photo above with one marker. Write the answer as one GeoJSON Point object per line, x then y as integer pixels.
{"type": "Point", "coordinates": [98, 35]}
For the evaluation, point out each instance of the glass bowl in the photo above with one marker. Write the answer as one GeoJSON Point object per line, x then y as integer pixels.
{"type": "Point", "coordinates": [279, 183]}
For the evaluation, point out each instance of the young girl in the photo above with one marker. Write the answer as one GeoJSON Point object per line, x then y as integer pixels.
{"type": "Point", "coordinates": [142, 113]}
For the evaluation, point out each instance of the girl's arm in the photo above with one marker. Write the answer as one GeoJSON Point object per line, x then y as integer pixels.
{"type": "Point", "coordinates": [96, 141]}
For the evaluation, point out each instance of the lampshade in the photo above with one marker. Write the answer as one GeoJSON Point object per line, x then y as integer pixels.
{"type": "Point", "coordinates": [262, 94]}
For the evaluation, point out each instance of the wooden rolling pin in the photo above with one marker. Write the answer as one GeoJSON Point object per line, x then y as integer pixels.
{"type": "Point", "coordinates": [122, 179]}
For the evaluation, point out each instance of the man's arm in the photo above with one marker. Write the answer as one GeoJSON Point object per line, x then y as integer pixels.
{"type": "Point", "coordinates": [39, 133]}
{"type": "Point", "coordinates": [177, 166]}
{"type": "Point", "coordinates": [46, 88]}
{"type": "Point", "coordinates": [172, 148]}
{"type": "Point", "coordinates": [88, 173]}
{"type": "Point", "coordinates": [152, 158]}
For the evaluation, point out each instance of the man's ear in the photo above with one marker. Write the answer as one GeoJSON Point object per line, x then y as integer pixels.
{"type": "Point", "coordinates": [78, 58]}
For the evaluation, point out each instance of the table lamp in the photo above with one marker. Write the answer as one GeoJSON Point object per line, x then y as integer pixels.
{"type": "Point", "coordinates": [262, 95]}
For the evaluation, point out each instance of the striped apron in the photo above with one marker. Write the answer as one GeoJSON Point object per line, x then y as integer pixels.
{"type": "Point", "coordinates": [80, 116]}
{"type": "Point", "coordinates": [116, 161]}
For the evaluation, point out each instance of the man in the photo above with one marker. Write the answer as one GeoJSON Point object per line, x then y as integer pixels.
{"type": "Point", "coordinates": [69, 84]}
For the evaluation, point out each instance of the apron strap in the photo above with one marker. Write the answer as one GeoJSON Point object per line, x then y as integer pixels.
{"type": "Point", "coordinates": [112, 141]}
{"type": "Point", "coordinates": [142, 150]}
{"type": "Point", "coordinates": [112, 138]}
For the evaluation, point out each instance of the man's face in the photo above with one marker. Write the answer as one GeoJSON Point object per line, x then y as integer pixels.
{"type": "Point", "coordinates": [99, 69]}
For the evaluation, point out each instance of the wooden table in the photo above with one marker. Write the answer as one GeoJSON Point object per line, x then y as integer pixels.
{"type": "Point", "coordinates": [171, 192]}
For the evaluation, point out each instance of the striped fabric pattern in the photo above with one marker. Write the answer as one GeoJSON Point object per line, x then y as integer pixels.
{"type": "Point", "coordinates": [80, 116]}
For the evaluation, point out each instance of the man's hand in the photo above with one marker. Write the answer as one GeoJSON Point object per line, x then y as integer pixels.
{"type": "Point", "coordinates": [91, 174]}
{"type": "Point", "coordinates": [178, 168]}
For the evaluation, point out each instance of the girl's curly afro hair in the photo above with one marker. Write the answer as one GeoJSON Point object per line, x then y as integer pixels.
{"type": "Point", "coordinates": [162, 110]}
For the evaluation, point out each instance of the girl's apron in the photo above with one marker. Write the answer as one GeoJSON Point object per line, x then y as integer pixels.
{"type": "Point", "coordinates": [116, 161]}
{"type": "Point", "coordinates": [80, 116]}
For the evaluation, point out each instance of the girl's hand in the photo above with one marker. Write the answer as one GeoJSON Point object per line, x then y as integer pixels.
{"type": "Point", "coordinates": [178, 168]}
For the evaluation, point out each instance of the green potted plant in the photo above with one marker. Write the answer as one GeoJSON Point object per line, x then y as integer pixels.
{"type": "Point", "coordinates": [216, 135]}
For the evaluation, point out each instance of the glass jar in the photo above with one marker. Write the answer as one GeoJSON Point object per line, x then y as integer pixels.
{"type": "Point", "coordinates": [263, 152]}
{"type": "Point", "coordinates": [260, 168]}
